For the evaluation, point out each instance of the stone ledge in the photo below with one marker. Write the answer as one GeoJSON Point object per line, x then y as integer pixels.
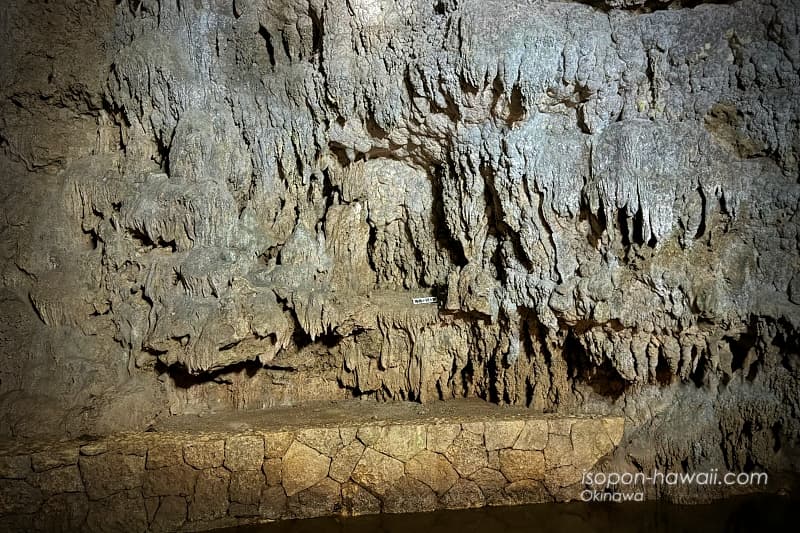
{"type": "Point", "coordinates": [178, 480]}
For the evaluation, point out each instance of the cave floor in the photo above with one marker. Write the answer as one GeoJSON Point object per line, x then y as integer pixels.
{"type": "Point", "coordinates": [347, 412]}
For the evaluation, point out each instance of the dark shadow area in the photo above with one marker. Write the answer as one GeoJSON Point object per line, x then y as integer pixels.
{"type": "Point", "coordinates": [748, 513]}
{"type": "Point", "coordinates": [184, 380]}
{"type": "Point", "coordinates": [603, 379]}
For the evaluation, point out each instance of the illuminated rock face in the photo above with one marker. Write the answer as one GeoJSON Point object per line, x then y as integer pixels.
{"type": "Point", "coordinates": [227, 204]}
{"type": "Point", "coordinates": [172, 481]}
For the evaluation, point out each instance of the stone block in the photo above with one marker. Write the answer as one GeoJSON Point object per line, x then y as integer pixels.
{"type": "Point", "coordinates": [369, 435]}
{"type": "Point", "coordinates": [123, 511]}
{"type": "Point", "coordinates": [533, 436]}
{"type": "Point", "coordinates": [377, 472]}
{"type": "Point", "coordinates": [58, 480]}
{"type": "Point", "coordinates": [204, 454]}
{"type": "Point", "coordinates": [559, 451]}
{"type": "Point", "coordinates": [441, 436]}
{"type": "Point", "coordinates": [356, 500]}
{"type": "Point", "coordinates": [562, 476]}
{"type": "Point", "coordinates": [273, 503]}
{"type": "Point", "coordinates": [464, 494]}
{"type": "Point", "coordinates": [560, 426]}
{"type": "Point", "coordinates": [325, 440]}
{"type": "Point", "coordinates": [477, 428]}
{"type": "Point", "coordinates": [109, 473]}
{"type": "Point", "coordinates": [127, 482]}
{"type": "Point", "coordinates": [345, 461]}
{"type": "Point", "coordinates": [502, 433]}
{"type": "Point", "coordinates": [407, 495]}
{"type": "Point", "coordinates": [244, 452]}
{"type": "Point", "coordinates": [171, 514]}
{"type": "Point", "coordinates": [178, 480]}
{"type": "Point", "coordinates": [276, 444]}
{"type": "Point", "coordinates": [526, 491]}
{"type": "Point", "coordinates": [348, 434]}
{"type": "Point", "coordinates": [323, 499]}
{"type": "Point", "coordinates": [273, 471]}
{"type": "Point", "coordinates": [136, 444]}
{"type": "Point", "coordinates": [589, 443]}
{"type": "Point", "coordinates": [246, 486]}
{"type": "Point", "coordinates": [210, 499]}
{"type": "Point", "coordinates": [433, 470]}
{"type": "Point", "coordinates": [165, 454]}
{"type": "Point", "coordinates": [467, 453]}
{"type": "Point", "coordinates": [401, 441]}
{"type": "Point", "coordinates": [493, 459]}
{"type": "Point", "coordinates": [517, 465]}
{"type": "Point", "coordinates": [303, 467]}
{"type": "Point", "coordinates": [54, 458]}
{"type": "Point", "coordinates": [491, 482]}
{"type": "Point", "coordinates": [62, 513]}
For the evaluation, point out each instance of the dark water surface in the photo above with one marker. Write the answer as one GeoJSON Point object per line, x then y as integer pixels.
{"type": "Point", "coordinates": [749, 513]}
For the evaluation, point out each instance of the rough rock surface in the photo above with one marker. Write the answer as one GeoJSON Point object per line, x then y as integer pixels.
{"type": "Point", "coordinates": [231, 203]}
{"type": "Point", "coordinates": [172, 481]}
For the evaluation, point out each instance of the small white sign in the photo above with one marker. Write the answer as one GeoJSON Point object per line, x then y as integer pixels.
{"type": "Point", "coordinates": [426, 300]}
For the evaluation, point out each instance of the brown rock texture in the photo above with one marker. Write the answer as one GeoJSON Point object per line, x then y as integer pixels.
{"type": "Point", "coordinates": [204, 454]}
{"type": "Point", "coordinates": [244, 453]}
{"type": "Point", "coordinates": [302, 468]}
{"type": "Point", "coordinates": [173, 480]}
{"type": "Point", "coordinates": [433, 470]}
{"type": "Point", "coordinates": [584, 207]}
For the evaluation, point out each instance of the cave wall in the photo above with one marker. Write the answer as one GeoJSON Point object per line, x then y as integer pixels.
{"type": "Point", "coordinates": [218, 203]}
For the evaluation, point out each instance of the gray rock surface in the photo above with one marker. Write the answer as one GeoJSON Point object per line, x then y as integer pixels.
{"type": "Point", "coordinates": [230, 204]}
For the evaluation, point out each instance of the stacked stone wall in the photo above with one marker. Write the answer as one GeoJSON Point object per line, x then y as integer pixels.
{"type": "Point", "coordinates": [190, 482]}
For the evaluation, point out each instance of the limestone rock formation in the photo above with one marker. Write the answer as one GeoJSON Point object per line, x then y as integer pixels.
{"type": "Point", "coordinates": [231, 204]}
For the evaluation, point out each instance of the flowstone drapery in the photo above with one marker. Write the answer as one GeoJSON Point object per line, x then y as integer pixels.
{"type": "Point", "coordinates": [231, 204]}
